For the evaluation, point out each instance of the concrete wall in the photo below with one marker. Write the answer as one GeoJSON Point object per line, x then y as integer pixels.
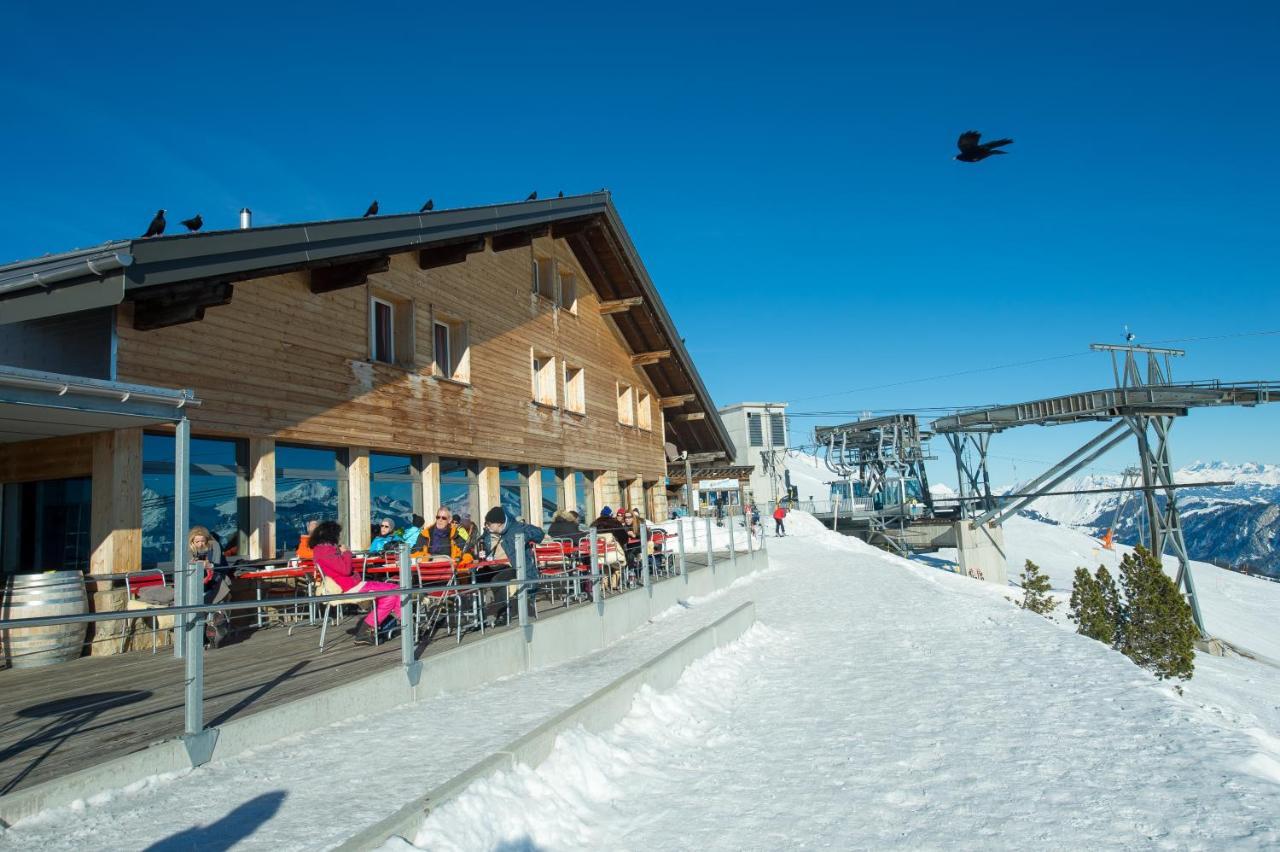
{"type": "Point", "coordinates": [552, 639]}
{"type": "Point", "coordinates": [981, 553]}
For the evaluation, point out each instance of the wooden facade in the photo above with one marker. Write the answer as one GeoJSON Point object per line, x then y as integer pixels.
{"type": "Point", "coordinates": [289, 357]}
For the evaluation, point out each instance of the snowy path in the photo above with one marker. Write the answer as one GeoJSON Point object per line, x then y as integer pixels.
{"type": "Point", "coordinates": [885, 704]}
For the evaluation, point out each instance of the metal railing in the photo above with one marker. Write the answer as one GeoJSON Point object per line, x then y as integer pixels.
{"type": "Point", "coordinates": [190, 619]}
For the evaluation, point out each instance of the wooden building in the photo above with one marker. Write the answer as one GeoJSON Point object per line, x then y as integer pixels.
{"type": "Point", "coordinates": [515, 354]}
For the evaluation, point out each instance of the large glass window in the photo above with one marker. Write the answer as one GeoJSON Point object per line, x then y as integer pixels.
{"type": "Point", "coordinates": [219, 494]}
{"type": "Point", "coordinates": [552, 493]}
{"type": "Point", "coordinates": [45, 525]}
{"type": "Point", "coordinates": [458, 487]}
{"type": "Point", "coordinates": [586, 495]}
{"type": "Point", "coordinates": [311, 484]}
{"type": "Point", "coordinates": [513, 486]}
{"type": "Point", "coordinates": [395, 488]}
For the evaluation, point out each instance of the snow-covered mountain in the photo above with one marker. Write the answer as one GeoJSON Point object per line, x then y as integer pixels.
{"type": "Point", "coordinates": [1236, 525]}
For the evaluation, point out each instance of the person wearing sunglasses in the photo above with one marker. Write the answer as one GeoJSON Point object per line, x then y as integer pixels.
{"type": "Point", "coordinates": [439, 536]}
{"type": "Point", "coordinates": [386, 535]}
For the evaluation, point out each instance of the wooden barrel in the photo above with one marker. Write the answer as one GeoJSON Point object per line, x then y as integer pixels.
{"type": "Point", "coordinates": [34, 595]}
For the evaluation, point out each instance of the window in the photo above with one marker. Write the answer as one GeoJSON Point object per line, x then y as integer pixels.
{"type": "Point", "coordinates": [552, 493]}
{"type": "Point", "coordinates": [626, 414]}
{"type": "Point", "coordinates": [544, 278]}
{"type": "Point", "coordinates": [459, 486]}
{"type": "Point", "coordinates": [568, 292]}
{"type": "Point", "coordinates": [755, 430]}
{"type": "Point", "coordinates": [584, 490]}
{"type": "Point", "coordinates": [544, 378]}
{"type": "Point", "coordinates": [644, 412]}
{"type": "Point", "coordinates": [452, 351]}
{"type": "Point", "coordinates": [394, 488]}
{"type": "Point", "coordinates": [391, 330]}
{"type": "Point", "coordinates": [311, 484]}
{"type": "Point", "coordinates": [46, 525]}
{"type": "Point", "coordinates": [513, 487]}
{"type": "Point", "coordinates": [777, 430]}
{"type": "Point", "coordinates": [218, 495]}
{"type": "Point", "coordinates": [575, 389]}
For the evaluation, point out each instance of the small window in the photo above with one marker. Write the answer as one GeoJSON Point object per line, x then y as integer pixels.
{"type": "Point", "coordinates": [626, 413]}
{"type": "Point", "coordinates": [544, 278]}
{"type": "Point", "coordinates": [569, 292]}
{"type": "Point", "coordinates": [544, 378]}
{"type": "Point", "coordinates": [382, 334]}
{"type": "Point", "coordinates": [755, 430]}
{"type": "Point", "coordinates": [575, 389]}
{"type": "Point", "coordinates": [644, 412]}
{"type": "Point", "coordinates": [452, 352]}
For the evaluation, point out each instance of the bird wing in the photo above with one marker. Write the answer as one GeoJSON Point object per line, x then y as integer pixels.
{"type": "Point", "coordinates": [968, 141]}
{"type": "Point", "coordinates": [996, 144]}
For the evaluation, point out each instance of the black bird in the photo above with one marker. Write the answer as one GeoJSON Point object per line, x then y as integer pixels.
{"type": "Point", "coordinates": [560, 194]}
{"type": "Point", "coordinates": [156, 228]}
{"type": "Point", "coordinates": [195, 223]}
{"type": "Point", "coordinates": [533, 196]}
{"type": "Point", "coordinates": [971, 150]}
{"type": "Point", "coordinates": [430, 205]}
{"type": "Point", "coordinates": [372, 211]}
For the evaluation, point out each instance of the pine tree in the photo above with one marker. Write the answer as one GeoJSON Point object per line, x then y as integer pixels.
{"type": "Point", "coordinates": [1088, 607]}
{"type": "Point", "coordinates": [1159, 632]}
{"type": "Point", "coordinates": [1035, 590]}
{"type": "Point", "coordinates": [1112, 619]}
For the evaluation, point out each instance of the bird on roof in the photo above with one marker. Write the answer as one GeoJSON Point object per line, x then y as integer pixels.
{"type": "Point", "coordinates": [373, 209]}
{"type": "Point", "coordinates": [195, 223]}
{"type": "Point", "coordinates": [156, 228]}
{"type": "Point", "coordinates": [533, 196]}
{"type": "Point", "coordinates": [972, 150]}
{"type": "Point", "coordinates": [1128, 335]}
{"type": "Point", "coordinates": [560, 194]}
{"type": "Point", "coordinates": [429, 206]}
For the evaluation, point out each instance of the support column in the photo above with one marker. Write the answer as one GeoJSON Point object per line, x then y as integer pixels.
{"type": "Point", "coordinates": [430, 467]}
{"type": "Point", "coordinates": [635, 489]}
{"type": "Point", "coordinates": [607, 491]}
{"type": "Point", "coordinates": [570, 492]}
{"type": "Point", "coordinates": [534, 482]}
{"type": "Point", "coordinates": [115, 522]}
{"type": "Point", "coordinates": [262, 498]}
{"type": "Point", "coordinates": [490, 493]}
{"type": "Point", "coordinates": [358, 511]}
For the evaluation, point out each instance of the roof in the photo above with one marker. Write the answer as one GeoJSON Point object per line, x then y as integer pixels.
{"type": "Point", "coordinates": [177, 272]}
{"type": "Point", "coordinates": [738, 405]}
{"type": "Point", "coordinates": [740, 472]}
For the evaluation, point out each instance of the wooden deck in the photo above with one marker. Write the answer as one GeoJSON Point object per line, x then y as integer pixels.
{"type": "Point", "coordinates": [59, 719]}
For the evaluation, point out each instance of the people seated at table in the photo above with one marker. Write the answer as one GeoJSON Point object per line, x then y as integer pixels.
{"type": "Point", "coordinates": [412, 534]}
{"type": "Point", "coordinates": [438, 538]}
{"type": "Point", "coordinates": [607, 523]}
{"type": "Point", "coordinates": [498, 542]}
{"type": "Point", "coordinates": [204, 554]}
{"type": "Point", "coordinates": [565, 525]}
{"type": "Point", "coordinates": [386, 535]}
{"type": "Point", "coordinates": [304, 542]}
{"type": "Point", "coordinates": [334, 561]}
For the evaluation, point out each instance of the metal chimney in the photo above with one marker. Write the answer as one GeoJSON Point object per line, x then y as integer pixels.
{"type": "Point", "coordinates": [246, 218]}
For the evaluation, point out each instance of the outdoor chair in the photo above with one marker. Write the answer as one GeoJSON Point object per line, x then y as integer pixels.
{"type": "Point", "coordinates": [447, 601]}
{"type": "Point", "coordinates": [134, 583]}
{"type": "Point", "coordinates": [326, 586]}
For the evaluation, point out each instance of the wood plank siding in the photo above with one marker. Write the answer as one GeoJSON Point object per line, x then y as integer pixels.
{"type": "Point", "coordinates": [281, 362]}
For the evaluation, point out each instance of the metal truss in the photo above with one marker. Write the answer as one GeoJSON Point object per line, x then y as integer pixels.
{"type": "Point", "coordinates": [970, 449]}
{"type": "Point", "coordinates": [871, 450]}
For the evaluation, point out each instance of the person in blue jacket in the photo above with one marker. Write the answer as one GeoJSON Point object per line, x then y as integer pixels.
{"type": "Point", "coordinates": [498, 542]}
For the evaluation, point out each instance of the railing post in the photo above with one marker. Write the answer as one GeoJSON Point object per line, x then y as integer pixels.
{"type": "Point", "coordinates": [522, 602]}
{"type": "Point", "coordinates": [684, 569]}
{"type": "Point", "coordinates": [733, 547]}
{"type": "Point", "coordinates": [711, 559]}
{"type": "Point", "coordinates": [597, 593]}
{"type": "Point", "coordinates": [645, 576]}
{"type": "Point", "coordinates": [693, 522]}
{"type": "Point", "coordinates": [409, 624]}
{"type": "Point", "coordinates": [189, 632]}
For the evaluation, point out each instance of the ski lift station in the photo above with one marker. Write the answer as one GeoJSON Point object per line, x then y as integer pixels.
{"type": "Point", "coordinates": [760, 439]}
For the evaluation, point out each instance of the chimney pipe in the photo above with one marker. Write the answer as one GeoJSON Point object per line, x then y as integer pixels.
{"type": "Point", "coordinates": [246, 218]}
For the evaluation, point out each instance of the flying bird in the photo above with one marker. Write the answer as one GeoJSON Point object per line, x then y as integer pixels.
{"type": "Point", "coordinates": [971, 150]}
{"type": "Point", "coordinates": [430, 205]}
{"type": "Point", "coordinates": [156, 228]}
{"type": "Point", "coordinates": [372, 211]}
{"type": "Point", "coordinates": [195, 223]}
{"type": "Point", "coordinates": [533, 196]}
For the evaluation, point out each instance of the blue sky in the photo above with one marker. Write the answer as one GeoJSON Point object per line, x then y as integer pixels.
{"type": "Point", "coordinates": [785, 171]}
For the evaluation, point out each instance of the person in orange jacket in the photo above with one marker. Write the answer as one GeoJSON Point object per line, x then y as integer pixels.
{"type": "Point", "coordinates": [779, 515]}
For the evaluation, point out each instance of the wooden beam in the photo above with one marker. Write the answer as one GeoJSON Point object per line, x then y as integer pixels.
{"type": "Point", "coordinates": [326, 279]}
{"type": "Point", "coordinates": [518, 239]}
{"type": "Point", "coordinates": [641, 359]}
{"type": "Point", "coordinates": [179, 303]}
{"type": "Point", "coordinates": [617, 306]}
{"type": "Point", "coordinates": [571, 226]}
{"type": "Point", "coordinates": [437, 256]}
{"type": "Point", "coordinates": [692, 415]}
{"type": "Point", "coordinates": [677, 401]}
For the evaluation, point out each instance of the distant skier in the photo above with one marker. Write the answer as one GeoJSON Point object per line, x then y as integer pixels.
{"type": "Point", "coordinates": [779, 515]}
{"type": "Point", "coordinates": [755, 519]}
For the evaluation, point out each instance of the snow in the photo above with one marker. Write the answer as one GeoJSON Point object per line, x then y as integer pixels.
{"type": "Point", "coordinates": [877, 703]}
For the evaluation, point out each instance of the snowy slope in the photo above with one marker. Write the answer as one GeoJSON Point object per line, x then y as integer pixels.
{"type": "Point", "coordinates": [878, 703]}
